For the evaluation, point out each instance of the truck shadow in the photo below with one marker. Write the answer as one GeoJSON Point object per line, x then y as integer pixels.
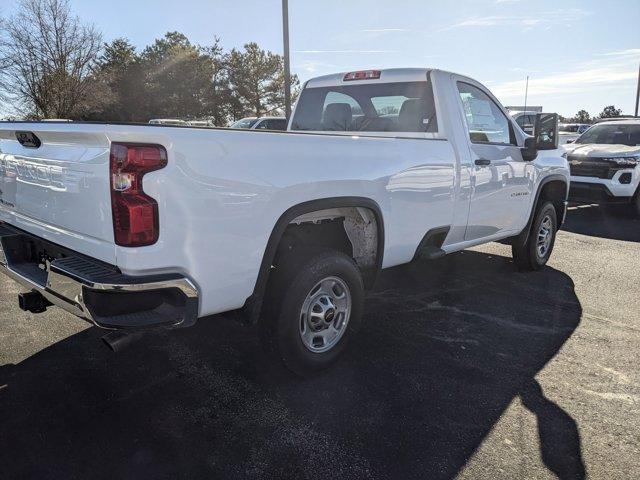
{"type": "Point", "coordinates": [445, 348]}
{"type": "Point", "coordinates": [614, 223]}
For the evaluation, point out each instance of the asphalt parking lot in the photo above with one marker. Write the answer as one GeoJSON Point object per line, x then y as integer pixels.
{"type": "Point", "coordinates": [465, 367]}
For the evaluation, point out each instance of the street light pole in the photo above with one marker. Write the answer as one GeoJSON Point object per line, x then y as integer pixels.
{"type": "Point", "coordinates": [287, 68]}
{"type": "Point", "coordinates": [638, 92]}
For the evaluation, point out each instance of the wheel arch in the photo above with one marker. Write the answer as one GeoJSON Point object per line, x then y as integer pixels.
{"type": "Point", "coordinates": [554, 188]}
{"type": "Point", "coordinates": [252, 308]}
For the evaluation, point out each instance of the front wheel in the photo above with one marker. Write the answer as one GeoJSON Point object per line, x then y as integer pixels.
{"type": "Point", "coordinates": [315, 304]}
{"type": "Point", "coordinates": [635, 204]}
{"type": "Point", "coordinates": [535, 253]}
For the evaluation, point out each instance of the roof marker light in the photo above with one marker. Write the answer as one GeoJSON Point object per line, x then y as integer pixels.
{"type": "Point", "coordinates": [362, 75]}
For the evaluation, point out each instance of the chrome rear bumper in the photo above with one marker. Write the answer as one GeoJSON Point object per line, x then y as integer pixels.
{"type": "Point", "coordinates": [95, 291]}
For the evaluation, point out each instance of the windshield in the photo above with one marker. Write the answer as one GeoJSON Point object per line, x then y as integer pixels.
{"type": "Point", "coordinates": [612, 134]}
{"type": "Point", "coordinates": [371, 107]}
{"type": "Point", "coordinates": [568, 128]}
{"type": "Point", "coordinates": [245, 123]}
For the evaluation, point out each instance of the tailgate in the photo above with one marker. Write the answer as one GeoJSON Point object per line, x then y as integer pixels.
{"type": "Point", "coordinates": [60, 189]}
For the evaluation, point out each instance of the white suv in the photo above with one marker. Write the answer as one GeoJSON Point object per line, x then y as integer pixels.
{"type": "Point", "coordinates": [605, 164]}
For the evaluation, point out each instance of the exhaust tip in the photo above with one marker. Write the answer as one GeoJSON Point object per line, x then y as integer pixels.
{"type": "Point", "coordinates": [118, 340]}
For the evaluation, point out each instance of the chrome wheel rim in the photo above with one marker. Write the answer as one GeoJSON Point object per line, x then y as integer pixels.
{"type": "Point", "coordinates": [545, 236]}
{"type": "Point", "coordinates": [324, 315]}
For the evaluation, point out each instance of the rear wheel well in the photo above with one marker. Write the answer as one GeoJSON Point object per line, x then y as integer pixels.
{"type": "Point", "coordinates": [351, 230]}
{"type": "Point", "coordinates": [325, 223]}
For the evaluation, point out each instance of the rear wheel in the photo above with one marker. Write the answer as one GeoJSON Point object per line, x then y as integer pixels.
{"type": "Point", "coordinates": [315, 303]}
{"type": "Point", "coordinates": [535, 253]}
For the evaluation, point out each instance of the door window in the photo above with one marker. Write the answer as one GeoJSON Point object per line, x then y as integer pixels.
{"type": "Point", "coordinates": [485, 120]}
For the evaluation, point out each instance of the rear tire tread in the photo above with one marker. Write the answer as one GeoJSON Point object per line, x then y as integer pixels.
{"type": "Point", "coordinates": [525, 256]}
{"type": "Point", "coordinates": [287, 289]}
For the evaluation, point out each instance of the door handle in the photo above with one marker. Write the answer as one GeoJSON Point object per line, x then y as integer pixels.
{"type": "Point", "coordinates": [482, 162]}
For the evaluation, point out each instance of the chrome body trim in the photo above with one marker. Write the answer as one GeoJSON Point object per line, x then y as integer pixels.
{"type": "Point", "coordinates": [64, 289]}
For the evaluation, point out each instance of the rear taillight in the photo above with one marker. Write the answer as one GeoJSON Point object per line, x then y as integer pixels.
{"type": "Point", "coordinates": [135, 214]}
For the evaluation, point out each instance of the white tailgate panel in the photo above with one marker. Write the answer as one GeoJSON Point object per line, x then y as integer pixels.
{"type": "Point", "coordinates": [59, 191]}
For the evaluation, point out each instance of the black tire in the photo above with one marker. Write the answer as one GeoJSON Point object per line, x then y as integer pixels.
{"type": "Point", "coordinates": [289, 287]}
{"type": "Point", "coordinates": [635, 204]}
{"type": "Point", "coordinates": [527, 256]}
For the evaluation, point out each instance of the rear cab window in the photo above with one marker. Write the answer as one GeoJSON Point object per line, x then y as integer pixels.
{"type": "Point", "coordinates": [401, 107]}
{"type": "Point", "coordinates": [272, 124]}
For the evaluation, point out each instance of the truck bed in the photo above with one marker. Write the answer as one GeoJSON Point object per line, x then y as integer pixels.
{"type": "Point", "coordinates": [220, 194]}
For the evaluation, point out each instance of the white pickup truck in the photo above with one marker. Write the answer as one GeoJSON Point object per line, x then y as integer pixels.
{"type": "Point", "coordinates": [139, 226]}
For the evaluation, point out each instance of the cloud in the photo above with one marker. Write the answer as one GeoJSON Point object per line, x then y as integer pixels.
{"type": "Point", "coordinates": [521, 69]}
{"type": "Point", "coordinates": [312, 67]}
{"type": "Point", "coordinates": [344, 51]}
{"type": "Point", "coordinates": [630, 52]}
{"type": "Point", "coordinates": [497, 2]}
{"type": "Point", "coordinates": [384, 30]}
{"type": "Point", "coordinates": [604, 77]}
{"type": "Point", "coordinates": [591, 76]}
{"type": "Point", "coordinates": [527, 22]}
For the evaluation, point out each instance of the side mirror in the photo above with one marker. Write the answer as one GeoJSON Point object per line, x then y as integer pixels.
{"type": "Point", "coordinates": [546, 131]}
{"type": "Point", "coordinates": [570, 141]}
{"type": "Point", "coordinates": [529, 151]}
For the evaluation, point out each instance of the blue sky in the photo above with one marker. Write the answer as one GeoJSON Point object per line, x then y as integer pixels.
{"type": "Point", "coordinates": [578, 54]}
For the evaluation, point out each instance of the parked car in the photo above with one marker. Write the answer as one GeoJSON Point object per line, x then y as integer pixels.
{"type": "Point", "coordinates": [621, 118]}
{"type": "Point", "coordinates": [132, 227]}
{"type": "Point", "coordinates": [605, 164]}
{"type": "Point", "coordinates": [569, 132]}
{"type": "Point", "coordinates": [200, 123]}
{"type": "Point", "coordinates": [262, 123]}
{"type": "Point", "coordinates": [169, 121]}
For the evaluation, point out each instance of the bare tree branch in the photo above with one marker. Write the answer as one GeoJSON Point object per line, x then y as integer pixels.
{"type": "Point", "coordinates": [47, 56]}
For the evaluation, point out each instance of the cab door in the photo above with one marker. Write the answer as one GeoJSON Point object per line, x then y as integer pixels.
{"type": "Point", "coordinates": [502, 182]}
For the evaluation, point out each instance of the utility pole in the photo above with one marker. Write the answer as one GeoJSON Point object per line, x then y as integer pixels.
{"type": "Point", "coordinates": [638, 92]}
{"type": "Point", "coordinates": [287, 68]}
{"type": "Point", "coordinates": [526, 93]}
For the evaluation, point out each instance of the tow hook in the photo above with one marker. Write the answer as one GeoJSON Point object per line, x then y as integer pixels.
{"type": "Point", "coordinates": [33, 302]}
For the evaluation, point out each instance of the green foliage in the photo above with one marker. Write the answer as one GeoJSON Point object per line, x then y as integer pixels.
{"type": "Point", "coordinates": [582, 117]}
{"type": "Point", "coordinates": [176, 76]}
{"type": "Point", "coordinates": [115, 71]}
{"type": "Point", "coordinates": [173, 78]}
{"type": "Point", "coordinates": [113, 82]}
{"type": "Point", "coordinates": [257, 79]}
{"type": "Point", "coordinates": [610, 112]}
